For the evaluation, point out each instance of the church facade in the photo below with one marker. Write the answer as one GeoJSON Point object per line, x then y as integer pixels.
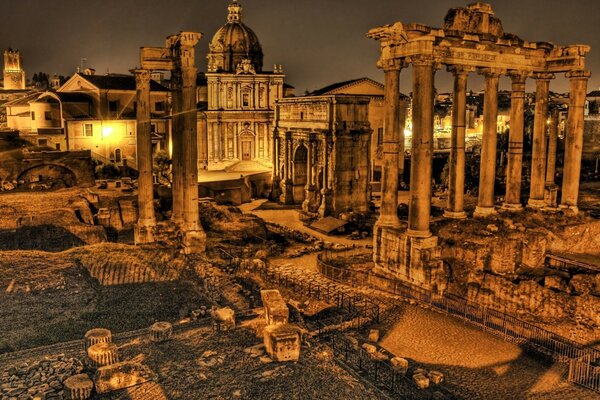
{"type": "Point", "coordinates": [240, 95]}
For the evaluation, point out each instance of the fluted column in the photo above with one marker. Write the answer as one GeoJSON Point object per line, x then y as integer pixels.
{"type": "Point", "coordinates": [419, 207]}
{"type": "Point", "coordinates": [456, 184]}
{"type": "Point", "coordinates": [538, 153]}
{"type": "Point", "coordinates": [514, 167]}
{"type": "Point", "coordinates": [388, 214]}
{"type": "Point", "coordinates": [574, 139]}
{"type": "Point", "coordinates": [487, 168]}
{"type": "Point", "coordinates": [552, 145]}
{"type": "Point", "coordinates": [146, 219]}
{"type": "Point", "coordinates": [177, 140]}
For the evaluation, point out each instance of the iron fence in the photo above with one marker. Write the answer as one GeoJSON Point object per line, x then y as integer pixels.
{"type": "Point", "coordinates": [506, 326]}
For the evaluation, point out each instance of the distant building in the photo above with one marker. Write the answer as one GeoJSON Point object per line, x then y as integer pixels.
{"type": "Point", "coordinates": [238, 97]}
{"type": "Point", "coordinates": [14, 76]}
{"type": "Point", "coordinates": [91, 112]}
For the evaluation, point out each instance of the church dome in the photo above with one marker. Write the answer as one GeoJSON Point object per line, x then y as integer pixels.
{"type": "Point", "coordinates": [234, 43]}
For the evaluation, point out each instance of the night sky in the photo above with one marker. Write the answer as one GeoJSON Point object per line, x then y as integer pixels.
{"type": "Point", "coordinates": [317, 41]}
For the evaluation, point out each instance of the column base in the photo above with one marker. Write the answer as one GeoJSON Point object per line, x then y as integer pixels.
{"type": "Point", "coordinates": [388, 221]}
{"type": "Point", "coordinates": [512, 207]}
{"type": "Point", "coordinates": [193, 242]}
{"type": "Point", "coordinates": [418, 234]}
{"type": "Point", "coordinates": [482, 212]}
{"type": "Point", "coordinates": [551, 195]}
{"type": "Point", "coordinates": [536, 203]}
{"type": "Point", "coordinates": [143, 233]}
{"type": "Point", "coordinates": [566, 207]}
{"type": "Point", "coordinates": [455, 214]}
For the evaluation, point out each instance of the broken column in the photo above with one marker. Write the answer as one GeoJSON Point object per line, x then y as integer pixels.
{"type": "Point", "coordinates": [161, 331]}
{"type": "Point", "coordinates": [514, 167]}
{"type": "Point", "coordinates": [538, 152]}
{"type": "Point", "coordinates": [103, 354]}
{"type": "Point", "coordinates": [95, 336]}
{"type": "Point", "coordinates": [143, 232]}
{"type": "Point", "coordinates": [456, 173]}
{"type": "Point", "coordinates": [78, 387]}
{"type": "Point", "coordinates": [574, 139]}
{"type": "Point", "coordinates": [551, 189]}
{"type": "Point", "coordinates": [487, 167]}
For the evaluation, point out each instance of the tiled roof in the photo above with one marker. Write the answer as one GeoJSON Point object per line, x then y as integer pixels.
{"type": "Point", "coordinates": [338, 85]}
{"type": "Point", "coordinates": [119, 82]}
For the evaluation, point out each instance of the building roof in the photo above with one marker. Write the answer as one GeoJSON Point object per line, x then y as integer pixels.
{"type": "Point", "coordinates": [21, 101]}
{"type": "Point", "coordinates": [594, 93]}
{"type": "Point", "coordinates": [119, 82]}
{"type": "Point", "coordinates": [340, 85]}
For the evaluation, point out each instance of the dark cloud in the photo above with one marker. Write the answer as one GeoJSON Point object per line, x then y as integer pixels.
{"type": "Point", "coordinates": [318, 42]}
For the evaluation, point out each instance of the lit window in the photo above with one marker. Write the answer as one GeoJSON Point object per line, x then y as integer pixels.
{"type": "Point", "coordinates": [88, 130]}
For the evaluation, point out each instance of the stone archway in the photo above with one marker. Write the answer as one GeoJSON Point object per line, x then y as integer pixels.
{"type": "Point", "coordinates": [300, 173]}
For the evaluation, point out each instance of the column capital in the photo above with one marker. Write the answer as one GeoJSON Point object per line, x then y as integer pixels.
{"type": "Point", "coordinates": [422, 60]}
{"type": "Point", "coordinates": [491, 72]}
{"type": "Point", "coordinates": [542, 76]}
{"type": "Point", "coordinates": [518, 77]}
{"type": "Point", "coordinates": [395, 64]}
{"type": "Point", "coordinates": [142, 76]}
{"type": "Point", "coordinates": [579, 74]}
{"type": "Point", "coordinates": [460, 69]}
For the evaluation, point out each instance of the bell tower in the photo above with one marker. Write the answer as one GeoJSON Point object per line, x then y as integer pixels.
{"type": "Point", "coordinates": [14, 76]}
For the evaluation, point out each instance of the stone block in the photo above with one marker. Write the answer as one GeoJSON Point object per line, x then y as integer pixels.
{"type": "Point", "coordinates": [555, 283]}
{"type": "Point", "coordinates": [224, 318]}
{"type": "Point", "coordinates": [95, 336]}
{"type": "Point", "coordinates": [421, 381]}
{"type": "Point", "coordinates": [374, 335]}
{"type": "Point", "coordinates": [282, 342]}
{"type": "Point", "coordinates": [435, 377]}
{"type": "Point", "coordinates": [276, 309]}
{"type": "Point", "coordinates": [400, 365]}
{"type": "Point", "coordinates": [369, 348]}
{"type": "Point", "coordinates": [78, 387]}
{"type": "Point", "coordinates": [103, 354]}
{"type": "Point", "coordinates": [161, 331]}
{"type": "Point", "coordinates": [120, 376]}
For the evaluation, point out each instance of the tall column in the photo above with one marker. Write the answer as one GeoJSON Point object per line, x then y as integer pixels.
{"type": "Point", "coordinates": [194, 238]}
{"type": "Point", "coordinates": [388, 214]}
{"type": "Point", "coordinates": [456, 184]}
{"type": "Point", "coordinates": [538, 152]}
{"type": "Point", "coordinates": [324, 208]}
{"type": "Point", "coordinates": [146, 219]}
{"type": "Point", "coordinates": [552, 145]}
{"type": "Point", "coordinates": [177, 156]}
{"type": "Point", "coordinates": [514, 168]}
{"type": "Point", "coordinates": [574, 139]}
{"type": "Point", "coordinates": [287, 194]}
{"type": "Point", "coordinates": [487, 168]}
{"type": "Point", "coordinates": [419, 207]}
{"type": "Point", "coordinates": [309, 188]}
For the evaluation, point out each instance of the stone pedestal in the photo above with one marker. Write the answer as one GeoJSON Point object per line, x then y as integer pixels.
{"type": "Point", "coordinates": [551, 195]}
{"type": "Point", "coordinates": [161, 332]}
{"type": "Point", "coordinates": [95, 336]}
{"type": "Point", "coordinates": [143, 233]}
{"type": "Point", "coordinates": [78, 387]}
{"type": "Point", "coordinates": [103, 354]}
{"type": "Point", "coordinates": [287, 192]}
{"type": "Point", "coordinates": [276, 309]}
{"type": "Point", "coordinates": [325, 207]}
{"type": "Point", "coordinates": [308, 203]}
{"type": "Point", "coordinates": [282, 342]}
{"type": "Point", "coordinates": [193, 241]}
{"type": "Point", "coordinates": [408, 258]}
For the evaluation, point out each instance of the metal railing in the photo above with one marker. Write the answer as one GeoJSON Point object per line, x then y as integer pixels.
{"type": "Point", "coordinates": [584, 372]}
{"type": "Point", "coordinates": [506, 326]}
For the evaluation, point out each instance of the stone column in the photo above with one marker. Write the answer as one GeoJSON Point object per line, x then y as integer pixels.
{"type": "Point", "coordinates": [287, 194]}
{"type": "Point", "coordinates": [388, 213]}
{"type": "Point", "coordinates": [194, 238]}
{"type": "Point", "coordinates": [177, 155]}
{"type": "Point", "coordinates": [419, 207]}
{"type": "Point", "coordinates": [574, 139]}
{"type": "Point", "coordinates": [146, 219]}
{"type": "Point", "coordinates": [456, 184]}
{"type": "Point", "coordinates": [309, 188]}
{"type": "Point", "coordinates": [324, 208]}
{"type": "Point", "coordinates": [552, 145]}
{"type": "Point", "coordinates": [487, 168]}
{"type": "Point", "coordinates": [538, 153]}
{"type": "Point", "coordinates": [514, 168]}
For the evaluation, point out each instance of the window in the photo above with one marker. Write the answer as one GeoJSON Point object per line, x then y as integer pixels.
{"type": "Point", "coordinates": [159, 106]}
{"type": "Point", "coordinates": [118, 155]}
{"type": "Point", "coordinates": [379, 136]}
{"type": "Point", "coordinates": [153, 128]}
{"type": "Point", "coordinates": [113, 106]}
{"type": "Point", "coordinates": [48, 115]}
{"type": "Point", "coordinates": [42, 142]}
{"type": "Point", "coordinates": [246, 100]}
{"type": "Point", "coordinates": [88, 130]}
{"type": "Point", "coordinates": [57, 145]}
{"type": "Point", "coordinates": [33, 115]}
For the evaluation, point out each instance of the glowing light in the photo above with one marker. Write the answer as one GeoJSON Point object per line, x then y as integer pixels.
{"type": "Point", "coordinates": [107, 131]}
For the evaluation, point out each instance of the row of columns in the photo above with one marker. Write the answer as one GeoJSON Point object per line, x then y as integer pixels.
{"type": "Point", "coordinates": [543, 167]}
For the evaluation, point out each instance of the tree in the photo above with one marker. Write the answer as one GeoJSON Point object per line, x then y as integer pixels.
{"type": "Point", "coordinates": [162, 167]}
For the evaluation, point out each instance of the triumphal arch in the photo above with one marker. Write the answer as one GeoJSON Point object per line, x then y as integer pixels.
{"type": "Point", "coordinates": [471, 41]}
